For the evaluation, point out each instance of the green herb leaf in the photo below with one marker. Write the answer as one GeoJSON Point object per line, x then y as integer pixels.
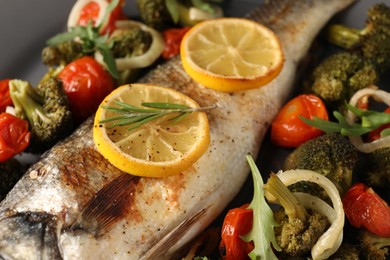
{"type": "Point", "coordinates": [173, 9]}
{"type": "Point", "coordinates": [262, 233]}
{"type": "Point", "coordinates": [369, 121]}
{"type": "Point", "coordinates": [111, 6]}
{"type": "Point", "coordinates": [135, 116]}
{"type": "Point", "coordinates": [202, 5]}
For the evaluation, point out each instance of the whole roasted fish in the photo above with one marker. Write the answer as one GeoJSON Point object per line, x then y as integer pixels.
{"type": "Point", "coordinates": [73, 204]}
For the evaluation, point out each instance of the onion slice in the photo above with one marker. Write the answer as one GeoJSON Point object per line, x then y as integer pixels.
{"type": "Point", "coordinates": [141, 61]}
{"type": "Point", "coordinates": [74, 14]}
{"type": "Point", "coordinates": [357, 141]}
{"type": "Point", "coordinates": [331, 240]}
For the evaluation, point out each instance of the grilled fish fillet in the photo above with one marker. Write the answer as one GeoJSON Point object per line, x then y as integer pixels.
{"type": "Point", "coordinates": [73, 204]}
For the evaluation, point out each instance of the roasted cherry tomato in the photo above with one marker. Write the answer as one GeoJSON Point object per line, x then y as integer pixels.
{"type": "Point", "coordinates": [5, 97]}
{"type": "Point", "coordinates": [14, 136]}
{"type": "Point", "coordinates": [86, 84]}
{"type": "Point", "coordinates": [237, 222]}
{"type": "Point", "coordinates": [288, 130]}
{"type": "Point", "coordinates": [364, 208]}
{"type": "Point", "coordinates": [172, 38]}
{"type": "Point", "coordinates": [376, 134]}
{"type": "Point", "coordinates": [90, 12]}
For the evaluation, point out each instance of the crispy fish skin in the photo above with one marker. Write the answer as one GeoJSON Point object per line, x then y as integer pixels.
{"type": "Point", "coordinates": [73, 204]}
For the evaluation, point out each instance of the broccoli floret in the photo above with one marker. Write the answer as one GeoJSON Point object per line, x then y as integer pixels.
{"type": "Point", "coordinates": [155, 13]}
{"type": "Point", "coordinates": [377, 168]}
{"type": "Point", "coordinates": [331, 155]}
{"type": "Point", "coordinates": [298, 229]}
{"type": "Point", "coordinates": [339, 76]}
{"type": "Point", "coordinates": [373, 246]}
{"type": "Point", "coordinates": [46, 108]}
{"type": "Point", "coordinates": [10, 172]}
{"type": "Point", "coordinates": [62, 53]}
{"type": "Point", "coordinates": [130, 42]}
{"type": "Point", "coordinates": [372, 42]}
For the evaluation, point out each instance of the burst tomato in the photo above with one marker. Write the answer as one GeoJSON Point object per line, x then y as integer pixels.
{"type": "Point", "coordinates": [172, 38]}
{"type": "Point", "coordinates": [237, 222]}
{"type": "Point", "coordinates": [86, 83]}
{"type": "Point", "coordinates": [14, 136]}
{"type": "Point", "coordinates": [376, 134]}
{"type": "Point", "coordinates": [90, 12]}
{"type": "Point", "coordinates": [5, 97]}
{"type": "Point", "coordinates": [364, 208]}
{"type": "Point", "coordinates": [288, 130]}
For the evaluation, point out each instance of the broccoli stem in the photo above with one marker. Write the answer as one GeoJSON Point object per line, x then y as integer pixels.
{"type": "Point", "coordinates": [26, 99]}
{"type": "Point", "coordinates": [286, 198]}
{"type": "Point", "coordinates": [343, 36]}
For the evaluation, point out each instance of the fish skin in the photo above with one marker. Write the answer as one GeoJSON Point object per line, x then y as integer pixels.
{"type": "Point", "coordinates": [73, 204]}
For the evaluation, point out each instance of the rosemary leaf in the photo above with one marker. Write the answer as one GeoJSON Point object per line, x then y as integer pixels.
{"type": "Point", "coordinates": [179, 117]}
{"type": "Point", "coordinates": [164, 105]}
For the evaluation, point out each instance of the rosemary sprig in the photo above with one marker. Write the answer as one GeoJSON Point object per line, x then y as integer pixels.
{"type": "Point", "coordinates": [137, 116]}
{"type": "Point", "coordinates": [91, 40]}
{"type": "Point", "coordinates": [369, 121]}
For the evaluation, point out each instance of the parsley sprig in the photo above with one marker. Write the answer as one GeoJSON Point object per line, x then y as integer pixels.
{"type": "Point", "coordinates": [369, 120]}
{"type": "Point", "coordinates": [91, 40]}
{"type": "Point", "coordinates": [137, 116]}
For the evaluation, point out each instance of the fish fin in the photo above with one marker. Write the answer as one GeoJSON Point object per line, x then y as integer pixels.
{"type": "Point", "coordinates": [169, 240]}
{"type": "Point", "coordinates": [109, 205]}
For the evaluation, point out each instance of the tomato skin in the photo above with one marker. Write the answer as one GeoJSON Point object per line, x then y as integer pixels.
{"type": "Point", "coordinates": [86, 83]}
{"type": "Point", "coordinates": [14, 136]}
{"type": "Point", "coordinates": [288, 130]}
{"type": "Point", "coordinates": [172, 38]}
{"type": "Point", "coordinates": [5, 97]}
{"type": "Point", "coordinates": [376, 134]}
{"type": "Point", "coordinates": [90, 12]}
{"type": "Point", "coordinates": [237, 222]}
{"type": "Point", "coordinates": [364, 208]}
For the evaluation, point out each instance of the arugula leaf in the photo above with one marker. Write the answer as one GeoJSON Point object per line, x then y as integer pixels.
{"type": "Point", "coordinates": [262, 233]}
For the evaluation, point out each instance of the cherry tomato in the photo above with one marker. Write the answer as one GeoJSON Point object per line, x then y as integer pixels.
{"type": "Point", "coordinates": [376, 134]}
{"type": "Point", "coordinates": [237, 222]}
{"type": "Point", "coordinates": [288, 130]}
{"type": "Point", "coordinates": [86, 84]}
{"type": "Point", "coordinates": [5, 97]}
{"type": "Point", "coordinates": [364, 208]}
{"type": "Point", "coordinates": [14, 136]}
{"type": "Point", "coordinates": [90, 12]}
{"type": "Point", "coordinates": [172, 38]}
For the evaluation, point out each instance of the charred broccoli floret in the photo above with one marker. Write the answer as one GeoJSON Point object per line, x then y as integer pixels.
{"type": "Point", "coordinates": [366, 58]}
{"type": "Point", "coordinates": [298, 229]}
{"type": "Point", "coordinates": [130, 42]}
{"type": "Point", "coordinates": [373, 246]}
{"type": "Point", "coordinates": [377, 168]}
{"type": "Point", "coordinates": [161, 14]}
{"type": "Point", "coordinates": [372, 42]}
{"type": "Point", "coordinates": [331, 155]}
{"type": "Point", "coordinates": [10, 172]}
{"type": "Point", "coordinates": [46, 108]}
{"type": "Point", "coordinates": [62, 53]}
{"type": "Point", "coordinates": [339, 76]}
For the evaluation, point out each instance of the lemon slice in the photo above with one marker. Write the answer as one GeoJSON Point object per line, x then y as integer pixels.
{"type": "Point", "coordinates": [158, 148]}
{"type": "Point", "coordinates": [231, 54]}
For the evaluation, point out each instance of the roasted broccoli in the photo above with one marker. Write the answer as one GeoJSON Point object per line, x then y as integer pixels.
{"type": "Point", "coordinates": [10, 172]}
{"type": "Point", "coordinates": [346, 251]}
{"type": "Point", "coordinates": [372, 42]}
{"type": "Point", "coordinates": [46, 108]}
{"type": "Point", "coordinates": [373, 246]}
{"type": "Point", "coordinates": [298, 228]}
{"type": "Point", "coordinates": [161, 14]}
{"type": "Point", "coordinates": [339, 76]}
{"type": "Point", "coordinates": [62, 53]}
{"type": "Point", "coordinates": [376, 170]}
{"type": "Point", "coordinates": [331, 155]}
{"type": "Point", "coordinates": [366, 58]}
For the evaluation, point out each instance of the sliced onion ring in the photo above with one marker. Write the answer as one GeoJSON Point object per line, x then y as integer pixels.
{"type": "Point", "coordinates": [357, 141]}
{"type": "Point", "coordinates": [331, 240]}
{"type": "Point", "coordinates": [141, 61]}
{"type": "Point", "coordinates": [74, 14]}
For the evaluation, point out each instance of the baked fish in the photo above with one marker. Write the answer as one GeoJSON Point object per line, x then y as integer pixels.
{"type": "Point", "coordinates": [73, 204]}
